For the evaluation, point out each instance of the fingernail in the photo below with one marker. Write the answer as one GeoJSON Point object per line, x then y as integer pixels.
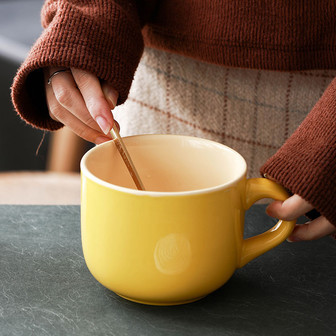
{"type": "Point", "coordinates": [101, 140]}
{"type": "Point", "coordinates": [269, 212]}
{"type": "Point", "coordinates": [293, 240]}
{"type": "Point", "coordinates": [103, 124]}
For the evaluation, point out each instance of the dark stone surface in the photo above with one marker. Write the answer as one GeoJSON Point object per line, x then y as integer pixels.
{"type": "Point", "coordinates": [46, 289]}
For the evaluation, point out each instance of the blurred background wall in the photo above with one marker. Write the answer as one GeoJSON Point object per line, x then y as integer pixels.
{"type": "Point", "coordinates": [19, 27]}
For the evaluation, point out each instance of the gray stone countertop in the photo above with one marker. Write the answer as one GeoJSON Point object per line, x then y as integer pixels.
{"type": "Point", "coordinates": [46, 289]}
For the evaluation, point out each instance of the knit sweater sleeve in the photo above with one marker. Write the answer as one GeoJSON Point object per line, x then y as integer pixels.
{"type": "Point", "coordinates": [103, 37]}
{"type": "Point", "coordinates": [306, 163]}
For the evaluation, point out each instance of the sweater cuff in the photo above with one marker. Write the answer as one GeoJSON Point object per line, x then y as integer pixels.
{"type": "Point", "coordinates": [103, 38]}
{"type": "Point", "coordinates": [306, 163]}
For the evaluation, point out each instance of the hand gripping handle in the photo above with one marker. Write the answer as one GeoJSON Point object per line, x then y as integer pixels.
{"type": "Point", "coordinates": [256, 189]}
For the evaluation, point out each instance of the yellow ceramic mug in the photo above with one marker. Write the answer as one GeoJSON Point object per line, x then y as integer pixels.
{"type": "Point", "coordinates": [180, 239]}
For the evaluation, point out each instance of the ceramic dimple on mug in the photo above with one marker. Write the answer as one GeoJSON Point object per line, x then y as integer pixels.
{"type": "Point", "coordinates": [182, 238]}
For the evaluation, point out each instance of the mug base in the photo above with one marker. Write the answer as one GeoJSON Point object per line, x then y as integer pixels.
{"type": "Point", "coordinates": [173, 303]}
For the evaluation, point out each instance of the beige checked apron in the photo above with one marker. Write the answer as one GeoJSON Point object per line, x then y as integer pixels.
{"type": "Point", "coordinates": [251, 111]}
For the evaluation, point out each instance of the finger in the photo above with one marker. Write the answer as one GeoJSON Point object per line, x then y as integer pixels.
{"type": "Point", "coordinates": [67, 94]}
{"type": "Point", "coordinates": [49, 92]}
{"type": "Point", "coordinates": [290, 209]}
{"type": "Point", "coordinates": [76, 125]}
{"type": "Point", "coordinates": [59, 113]}
{"type": "Point", "coordinates": [117, 124]}
{"type": "Point", "coordinates": [95, 101]}
{"type": "Point", "coordinates": [316, 229]}
{"type": "Point", "coordinates": [110, 94]}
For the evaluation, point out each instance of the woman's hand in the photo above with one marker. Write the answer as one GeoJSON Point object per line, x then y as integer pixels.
{"type": "Point", "coordinates": [294, 207]}
{"type": "Point", "coordinates": [78, 99]}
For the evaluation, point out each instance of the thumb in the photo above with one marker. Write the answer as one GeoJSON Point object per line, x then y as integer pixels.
{"type": "Point", "coordinates": [110, 94]}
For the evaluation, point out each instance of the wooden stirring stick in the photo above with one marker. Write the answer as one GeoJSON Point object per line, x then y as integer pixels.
{"type": "Point", "coordinates": [126, 157]}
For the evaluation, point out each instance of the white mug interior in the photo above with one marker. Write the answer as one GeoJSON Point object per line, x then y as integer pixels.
{"type": "Point", "coordinates": [166, 164]}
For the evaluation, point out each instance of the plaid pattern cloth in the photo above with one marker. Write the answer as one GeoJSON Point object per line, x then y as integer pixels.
{"type": "Point", "coordinates": [251, 111]}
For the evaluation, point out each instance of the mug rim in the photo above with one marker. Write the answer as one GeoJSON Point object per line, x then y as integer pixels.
{"type": "Point", "coordinates": [87, 173]}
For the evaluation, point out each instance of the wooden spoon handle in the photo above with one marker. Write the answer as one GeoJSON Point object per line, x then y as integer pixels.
{"type": "Point", "coordinates": [126, 157]}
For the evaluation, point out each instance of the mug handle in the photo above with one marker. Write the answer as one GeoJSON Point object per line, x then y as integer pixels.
{"type": "Point", "coordinates": [256, 189]}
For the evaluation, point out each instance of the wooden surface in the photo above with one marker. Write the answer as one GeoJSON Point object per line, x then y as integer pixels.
{"type": "Point", "coordinates": [39, 188]}
{"type": "Point", "coordinates": [65, 151]}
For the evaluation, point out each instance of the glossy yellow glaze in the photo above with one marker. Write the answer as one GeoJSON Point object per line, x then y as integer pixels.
{"type": "Point", "coordinates": [171, 247]}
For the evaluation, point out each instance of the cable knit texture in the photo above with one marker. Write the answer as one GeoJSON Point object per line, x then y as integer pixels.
{"type": "Point", "coordinates": [107, 38]}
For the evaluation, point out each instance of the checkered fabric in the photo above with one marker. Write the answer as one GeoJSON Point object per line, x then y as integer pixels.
{"type": "Point", "coordinates": [251, 111]}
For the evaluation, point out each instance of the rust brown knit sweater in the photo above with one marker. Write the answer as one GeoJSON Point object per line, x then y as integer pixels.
{"type": "Point", "coordinates": [107, 37]}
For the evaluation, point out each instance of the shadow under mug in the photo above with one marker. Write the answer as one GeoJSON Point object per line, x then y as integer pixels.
{"type": "Point", "coordinates": [182, 238]}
